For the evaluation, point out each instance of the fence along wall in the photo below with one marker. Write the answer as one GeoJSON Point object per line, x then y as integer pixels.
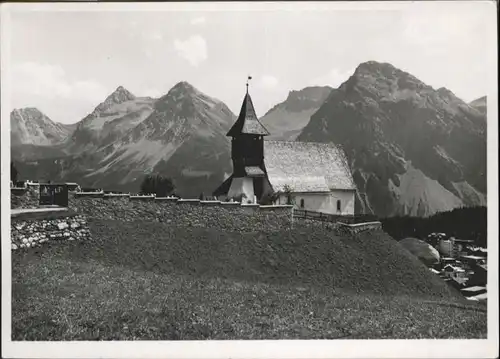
{"type": "Point", "coordinates": [228, 216]}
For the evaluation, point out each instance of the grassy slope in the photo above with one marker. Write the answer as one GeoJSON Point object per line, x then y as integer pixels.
{"type": "Point", "coordinates": [154, 282]}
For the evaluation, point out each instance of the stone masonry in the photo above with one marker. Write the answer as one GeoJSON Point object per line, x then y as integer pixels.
{"type": "Point", "coordinates": [227, 216]}
{"type": "Point", "coordinates": [29, 231]}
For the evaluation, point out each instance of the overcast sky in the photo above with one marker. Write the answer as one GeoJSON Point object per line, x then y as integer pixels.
{"type": "Point", "coordinates": [65, 63]}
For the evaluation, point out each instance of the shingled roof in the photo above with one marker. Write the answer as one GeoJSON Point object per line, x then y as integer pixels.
{"type": "Point", "coordinates": [247, 122]}
{"type": "Point", "coordinates": [307, 166]}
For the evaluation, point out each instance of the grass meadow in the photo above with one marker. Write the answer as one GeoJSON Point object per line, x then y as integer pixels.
{"type": "Point", "coordinates": [149, 281]}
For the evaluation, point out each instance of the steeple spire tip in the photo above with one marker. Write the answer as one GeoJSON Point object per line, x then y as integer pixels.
{"type": "Point", "coordinates": [248, 80]}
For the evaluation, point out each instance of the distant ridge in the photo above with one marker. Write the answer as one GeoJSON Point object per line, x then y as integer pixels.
{"type": "Point", "coordinates": [286, 119]}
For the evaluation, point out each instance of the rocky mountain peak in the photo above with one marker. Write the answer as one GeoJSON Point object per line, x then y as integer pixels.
{"type": "Point", "coordinates": [29, 114]}
{"type": "Point", "coordinates": [479, 101]}
{"type": "Point", "coordinates": [182, 89]}
{"type": "Point", "coordinates": [286, 119]}
{"type": "Point", "coordinates": [184, 96]}
{"type": "Point", "coordinates": [27, 110]}
{"type": "Point", "coordinates": [307, 98]}
{"type": "Point", "coordinates": [480, 104]}
{"type": "Point", "coordinates": [311, 93]}
{"type": "Point", "coordinates": [384, 81]}
{"type": "Point", "coordinates": [184, 85]}
{"type": "Point", "coordinates": [30, 126]}
{"type": "Point", "coordinates": [120, 95]}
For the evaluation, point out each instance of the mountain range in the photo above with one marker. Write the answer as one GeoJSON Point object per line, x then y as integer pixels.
{"type": "Point", "coordinates": [412, 149]}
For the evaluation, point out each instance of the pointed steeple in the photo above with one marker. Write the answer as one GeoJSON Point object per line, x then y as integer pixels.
{"type": "Point", "coordinates": [247, 122]}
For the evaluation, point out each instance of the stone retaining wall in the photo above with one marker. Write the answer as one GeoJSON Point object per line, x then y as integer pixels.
{"type": "Point", "coordinates": [33, 229]}
{"type": "Point", "coordinates": [228, 216]}
{"type": "Point", "coordinates": [28, 197]}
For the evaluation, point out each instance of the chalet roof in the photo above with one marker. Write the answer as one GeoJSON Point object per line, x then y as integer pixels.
{"type": "Point", "coordinates": [474, 289]}
{"type": "Point", "coordinates": [307, 166]}
{"type": "Point", "coordinates": [247, 122]}
{"type": "Point", "coordinates": [454, 268]}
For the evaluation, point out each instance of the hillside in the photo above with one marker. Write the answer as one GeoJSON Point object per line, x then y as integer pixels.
{"type": "Point", "coordinates": [368, 263]}
{"type": "Point", "coordinates": [29, 126]}
{"type": "Point", "coordinates": [413, 150]}
{"type": "Point", "coordinates": [27, 153]}
{"type": "Point", "coordinates": [285, 120]}
{"type": "Point", "coordinates": [154, 281]}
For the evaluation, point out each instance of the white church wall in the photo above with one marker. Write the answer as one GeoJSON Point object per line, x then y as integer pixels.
{"type": "Point", "coordinates": [242, 185]}
{"type": "Point", "coordinates": [324, 202]}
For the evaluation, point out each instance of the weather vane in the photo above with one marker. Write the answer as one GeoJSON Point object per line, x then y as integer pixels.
{"type": "Point", "coordinates": [249, 78]}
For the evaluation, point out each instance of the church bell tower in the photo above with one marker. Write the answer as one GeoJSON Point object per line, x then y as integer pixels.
{"type": "Point", "coordinates": [247, 154]}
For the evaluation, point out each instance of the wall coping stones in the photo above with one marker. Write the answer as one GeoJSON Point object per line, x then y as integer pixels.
{"type": "Point", "coordinates": [41, 213]}
{"type": "Point", "coordinates": [208, 202]}
{"type": "Point", "coordinates": [358, 225]}
{"type": "Point", "coordinates": [250, 205]}
{"type": "Point", "coordinates": [116, 195]}
{"type": "Point", "coordinates": [89, 194]}
{"type": "Point", "coordinates": [276, 206]}
{"type": "Point", "coordinates": [230, 203]}
{"type": "Point", "coordinates": [167, 199]}
{"type": "Point", "coordinates": [182, 200]}
{"type": "Point", "coordinates": [16, 211]}
{"type": "Point", "coordinates": [18, 189]}
{"type": "Point", "coordinates": [150, 197]}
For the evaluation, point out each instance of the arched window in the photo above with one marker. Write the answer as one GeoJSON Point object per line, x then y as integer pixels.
{"type": "Point", "coordinates": [302, 203]}
{"type": "Point", "coordinates": [339, 209]}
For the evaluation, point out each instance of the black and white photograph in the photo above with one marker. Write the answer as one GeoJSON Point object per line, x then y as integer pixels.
{"type": "Point", "coordinates": [222, 177]}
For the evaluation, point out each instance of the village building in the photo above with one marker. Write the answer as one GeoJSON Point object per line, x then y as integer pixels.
{"type": "Point", "coordinates": [458, 274]}
{"type": "Point", "coordinates": [311, 176]}
{"type": "Point", "coordinates": [471, 292]}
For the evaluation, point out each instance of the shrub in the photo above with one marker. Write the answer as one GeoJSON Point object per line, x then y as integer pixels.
{"type": "Point", "coordinates": [290, 199]}
{"type": "Point", "coordinates": [157, 184]}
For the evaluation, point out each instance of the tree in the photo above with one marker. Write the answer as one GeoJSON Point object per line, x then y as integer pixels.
{"type": "Point", "coordinates": [157, 184]}
{"type": "Point", "coordinates": [13, 173]}
{"type": "Point", "coordinates": [287, 190]}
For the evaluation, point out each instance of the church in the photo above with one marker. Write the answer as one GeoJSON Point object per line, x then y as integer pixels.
{"type": "Point", "coordinates": [315, 175]}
